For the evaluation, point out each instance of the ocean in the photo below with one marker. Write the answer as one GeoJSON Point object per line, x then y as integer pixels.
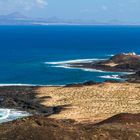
{"type": "Point", "coordinates": [36, 55]}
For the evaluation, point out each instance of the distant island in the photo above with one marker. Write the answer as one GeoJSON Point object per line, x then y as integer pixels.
{"type": "Point", "coordinates": [17, 18]}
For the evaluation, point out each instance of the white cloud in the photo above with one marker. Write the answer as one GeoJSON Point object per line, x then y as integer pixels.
{"type": "Point", "coordinates": [9, 5]}
{"type": "Point", "coordinates": [42, 3]}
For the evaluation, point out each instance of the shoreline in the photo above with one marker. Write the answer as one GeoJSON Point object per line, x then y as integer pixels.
{"type": "Point", "coordinates": [94, 109]}
{"type": "Point", "coordinates": [116, 80]}
{"type": "Point", "coordinates": [22, 95]}
{"type": "Point", "coordinates": [117, 63]}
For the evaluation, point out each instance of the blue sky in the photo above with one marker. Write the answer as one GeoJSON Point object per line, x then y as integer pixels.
{"type": "Point", "coordinates": [100, 10]}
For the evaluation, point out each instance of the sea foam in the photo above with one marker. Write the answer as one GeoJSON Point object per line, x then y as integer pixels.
{"type": "Point", "coordinates": [66, 64]}
{"type": "Point", "coordinates": [83, 69]}
{"type": "Point", "coordinates": [74, 61]}
{"type": "Point", "coordinates": [28, 85]}
{"type": "Point", "coordinates": [110, 77]}
{"type": "Point", "coordinates": [4, 114]}
{"type": "Point", "coordinates": [3, 85]}
{"type": "Point", "coordinates": [11, 114]}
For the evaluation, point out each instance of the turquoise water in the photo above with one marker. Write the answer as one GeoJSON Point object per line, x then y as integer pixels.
{"type": "Point", "coordinates": [32, 54]}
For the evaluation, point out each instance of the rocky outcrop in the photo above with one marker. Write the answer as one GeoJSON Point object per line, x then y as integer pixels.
{"type": "Point", "coordinates": [90, 83]}
{"type": "Point", "coordinates": [23, 98]}
{"type": "Point", "coordinates": [129, 61]}
{"type": "Point", "coordinates": [120, 62]}
{"type": "Point", "coordinates": [87, 83]}
{"type": "Point", "coordinates": [135, 77]}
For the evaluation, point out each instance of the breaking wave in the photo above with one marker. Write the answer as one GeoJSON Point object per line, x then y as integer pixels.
{"type": "Point", "coordinates": [110, 77]}
{"type": "Point", "coordinates": [74, 61]}
{"type": "Point", "coordinates": [11, 114]}
{"type": "Point", "coordinates": [66, 65]}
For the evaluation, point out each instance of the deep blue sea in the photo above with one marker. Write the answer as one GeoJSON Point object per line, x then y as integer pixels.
{"type": "Point", "coordinates": [35, 54]}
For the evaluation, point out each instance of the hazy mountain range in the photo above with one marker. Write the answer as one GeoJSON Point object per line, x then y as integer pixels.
{"type": "Point", "coordinates": [19, 19]}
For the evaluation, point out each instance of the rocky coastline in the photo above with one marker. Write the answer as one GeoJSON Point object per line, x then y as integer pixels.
{"type": "Point", "coordinates": [125, 62]}
{"type": "Point", "coordinates": [23, 98]}
{"type": "Point", "coordinates": [89, 110]}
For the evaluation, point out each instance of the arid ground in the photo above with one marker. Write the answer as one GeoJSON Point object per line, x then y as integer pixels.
{"type": "Point", "coordinates": [92, 103]}
{"type": "Point", "coordinates": [73, 113]}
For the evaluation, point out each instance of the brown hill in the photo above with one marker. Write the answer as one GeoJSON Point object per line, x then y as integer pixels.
{"type": "Point", "coordinates": [119, 127]}
{"type": "Point", "coordinates": [121, 62]}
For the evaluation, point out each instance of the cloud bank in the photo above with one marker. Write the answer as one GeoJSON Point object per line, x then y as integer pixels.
{"type": "Point", "coordinates": [9, 5]}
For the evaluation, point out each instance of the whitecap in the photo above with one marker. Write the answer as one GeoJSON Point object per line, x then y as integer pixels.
{"type": "Point", "coordinates": [18, 84]}
{"type": "Point", "coordinates": [66, 64]}
{"type": "Point", "coordinates": [127, 73]}
{"type": "Point", "coordinates": [74, 61]}
{"type": "Point", "coordinates": [27, 85]}
{"type": "Point", "coordinates": [110, 76]}
{"type": "Point", "coordinates": [91, 70]}
{"type": "Point", "coordinates": [4, 114]}
{"type": "Point", "coordinates": [63, 66]}
{"type": "Point", "coordinates": [83, 69]}
{"type": "Point", "coordinates": [11, 114]}
{"type": "Point", "coordinates": [110, 55]}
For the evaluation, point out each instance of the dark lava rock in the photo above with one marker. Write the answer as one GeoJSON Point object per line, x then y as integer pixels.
{"type": "Point", "coordinates": [113, 81]}
{"type": "Point", "coordinates": [88, 83]}
{"type": "Point", "coordinates": [122, 62]}
{"type": "Point", "coordinates": [73, 85]}
{"type": "Point", "coordinates": [129, 61]}
{"type": "Point", "coordinates": [135, 78]}
{"type": "Point", "coordinates": [125, 58]}
{"type": "Point", "coordinates": [138, 73]}
{"type": "Point", "coordinates": [8, 102]}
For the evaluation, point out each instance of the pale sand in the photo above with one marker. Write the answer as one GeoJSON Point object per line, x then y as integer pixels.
{"type": "Point", "coordinates": [92, 103]}
{"type": "Point", "coordinates": [111, 64]}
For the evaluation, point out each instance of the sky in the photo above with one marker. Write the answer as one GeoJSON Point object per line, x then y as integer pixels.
{"type": "Point", "coordinates": [99, 10]}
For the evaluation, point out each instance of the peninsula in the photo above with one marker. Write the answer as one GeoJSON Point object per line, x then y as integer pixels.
{"type": "Point", "coordinates": [125, 62]}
